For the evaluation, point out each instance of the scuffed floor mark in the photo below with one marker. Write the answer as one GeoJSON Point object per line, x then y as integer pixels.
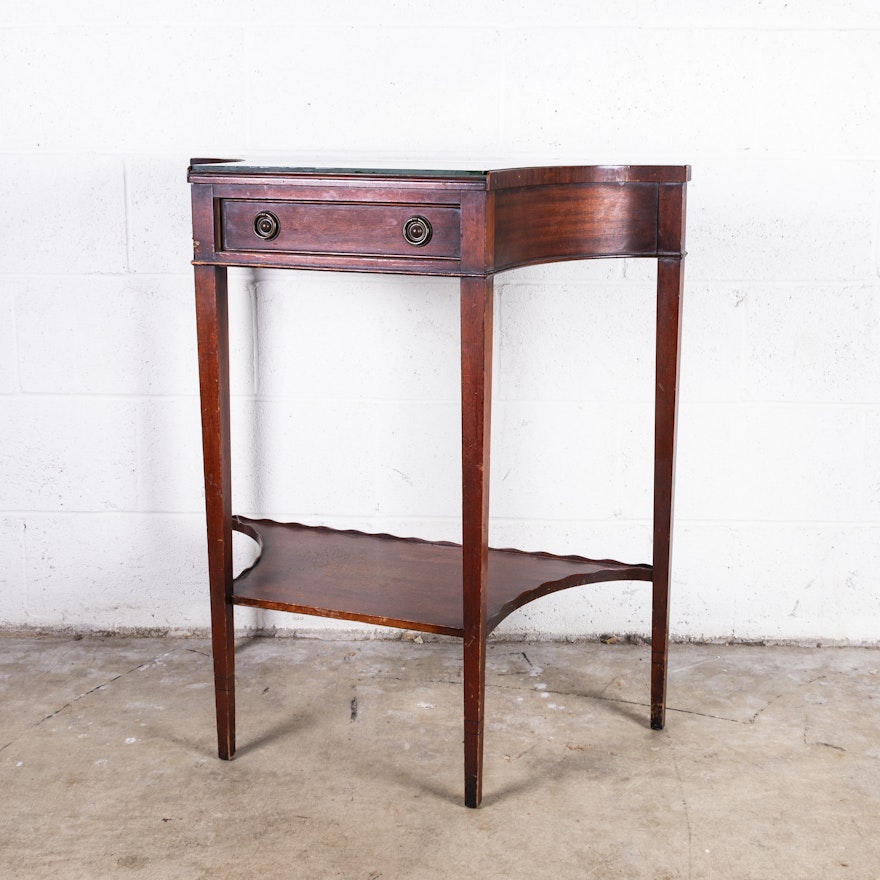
{"type": "Point", "coordinates": [812, 742]}
{"type": "Point", "coordinates": [84, 695]}
{"type": "Point", "coordinates": [710, 715]}
{"type": "Point", "coordinates": [523, 753]}
{"type": "Point", "coordinates": [684, 803]}
{"type": "Point", "coordinates": [546, 692]}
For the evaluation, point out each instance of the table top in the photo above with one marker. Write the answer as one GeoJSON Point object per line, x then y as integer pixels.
{"type": "Point", "coordinates": [205, 170]}
{"type": "Point", "coordinates": [240, 166]}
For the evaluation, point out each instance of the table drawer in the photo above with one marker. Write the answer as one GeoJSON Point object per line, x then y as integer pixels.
{"type": "Point", "coordinates": [340, 228]}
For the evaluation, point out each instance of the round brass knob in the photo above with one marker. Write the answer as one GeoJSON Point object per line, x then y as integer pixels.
{"type": "Point", "coordinates": [266, 225]}
{"type": "Point", "coordinates": [417, 231]}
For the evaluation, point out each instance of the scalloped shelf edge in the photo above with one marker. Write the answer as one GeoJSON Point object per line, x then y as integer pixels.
{"type": "Point", "coordinates": [408, 583]}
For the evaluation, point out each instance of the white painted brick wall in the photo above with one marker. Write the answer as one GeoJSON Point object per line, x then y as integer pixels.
{"type": "Point", "coordinates": [776, 105]}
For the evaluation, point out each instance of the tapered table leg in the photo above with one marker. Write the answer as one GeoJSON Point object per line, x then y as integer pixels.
{"type": "Point", "coordinates": [476, 393]}
{"type": "Point", "coordinates": [669, 289]}
{"type": "Point", "coordinates": [213, 335]}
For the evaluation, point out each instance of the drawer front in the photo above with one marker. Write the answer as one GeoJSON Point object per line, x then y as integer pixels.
{"type": "Point", "coordinates": [340, 228]}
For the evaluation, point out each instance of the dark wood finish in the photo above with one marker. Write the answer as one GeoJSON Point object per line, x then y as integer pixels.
{"type": "Point", "coordinates": [212, 327]}
{"type": "Point", "coordinates": [670, 279]}
{"type": "Point", "coordinates": [352, 228]}
{"type": "Point", "coordinates": [483, 223]}
{"type": "Point", "coordinates": [476, 395]}
{"type": "Point", "coordinates": [540, 224]}
{"type": "Point", "coordinates": [565, 175]}
{"type": "Point", "coordinates": [403, 582]}
{"type": "Point", "coordinates": [509, 218]}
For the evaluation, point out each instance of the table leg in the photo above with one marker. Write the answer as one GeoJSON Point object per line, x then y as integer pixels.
{"type": "Point", "coordinates": [476, 394]}
{"type": "Point", "coordinates": [213, 335]}
{"type": "Point", "coordinates": [669, 288]}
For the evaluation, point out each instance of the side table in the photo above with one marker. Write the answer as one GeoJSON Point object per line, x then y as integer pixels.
{"type": "Point", "coordinates": [465, 224]}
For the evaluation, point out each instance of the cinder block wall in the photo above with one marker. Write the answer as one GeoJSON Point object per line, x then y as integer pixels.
{"type": "Point", "coordinates": [345, 408]}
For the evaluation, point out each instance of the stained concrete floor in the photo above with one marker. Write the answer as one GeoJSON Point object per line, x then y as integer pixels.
{"type": "Point", "coordinates": [349, 763]}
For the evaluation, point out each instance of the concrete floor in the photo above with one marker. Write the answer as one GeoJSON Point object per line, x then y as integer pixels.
{"type": "Point", "coordinates": [350, 765]}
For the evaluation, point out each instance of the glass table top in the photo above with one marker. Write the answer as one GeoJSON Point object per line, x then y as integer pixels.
{"type": "Point", "coordinates": [244, 167]}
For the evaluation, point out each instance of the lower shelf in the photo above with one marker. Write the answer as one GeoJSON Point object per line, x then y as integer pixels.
{"type": "Point", "coordinates": [401, 582]}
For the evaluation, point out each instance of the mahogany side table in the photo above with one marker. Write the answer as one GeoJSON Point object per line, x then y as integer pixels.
{"type": "Point", "coordinates": [466, 224]}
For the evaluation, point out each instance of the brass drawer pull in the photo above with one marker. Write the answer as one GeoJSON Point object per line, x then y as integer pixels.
{"type": "Point", "coordinates": [266, 225]}
{"type": "Point", "coordinates": [417, 231]}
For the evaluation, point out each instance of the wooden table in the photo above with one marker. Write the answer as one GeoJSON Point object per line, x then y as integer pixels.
{"type": "Point", "coordinates": [466, 224]}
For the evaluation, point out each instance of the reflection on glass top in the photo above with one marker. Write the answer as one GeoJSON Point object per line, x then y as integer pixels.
{"type": "Point", "coordinates": [243, 167]}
